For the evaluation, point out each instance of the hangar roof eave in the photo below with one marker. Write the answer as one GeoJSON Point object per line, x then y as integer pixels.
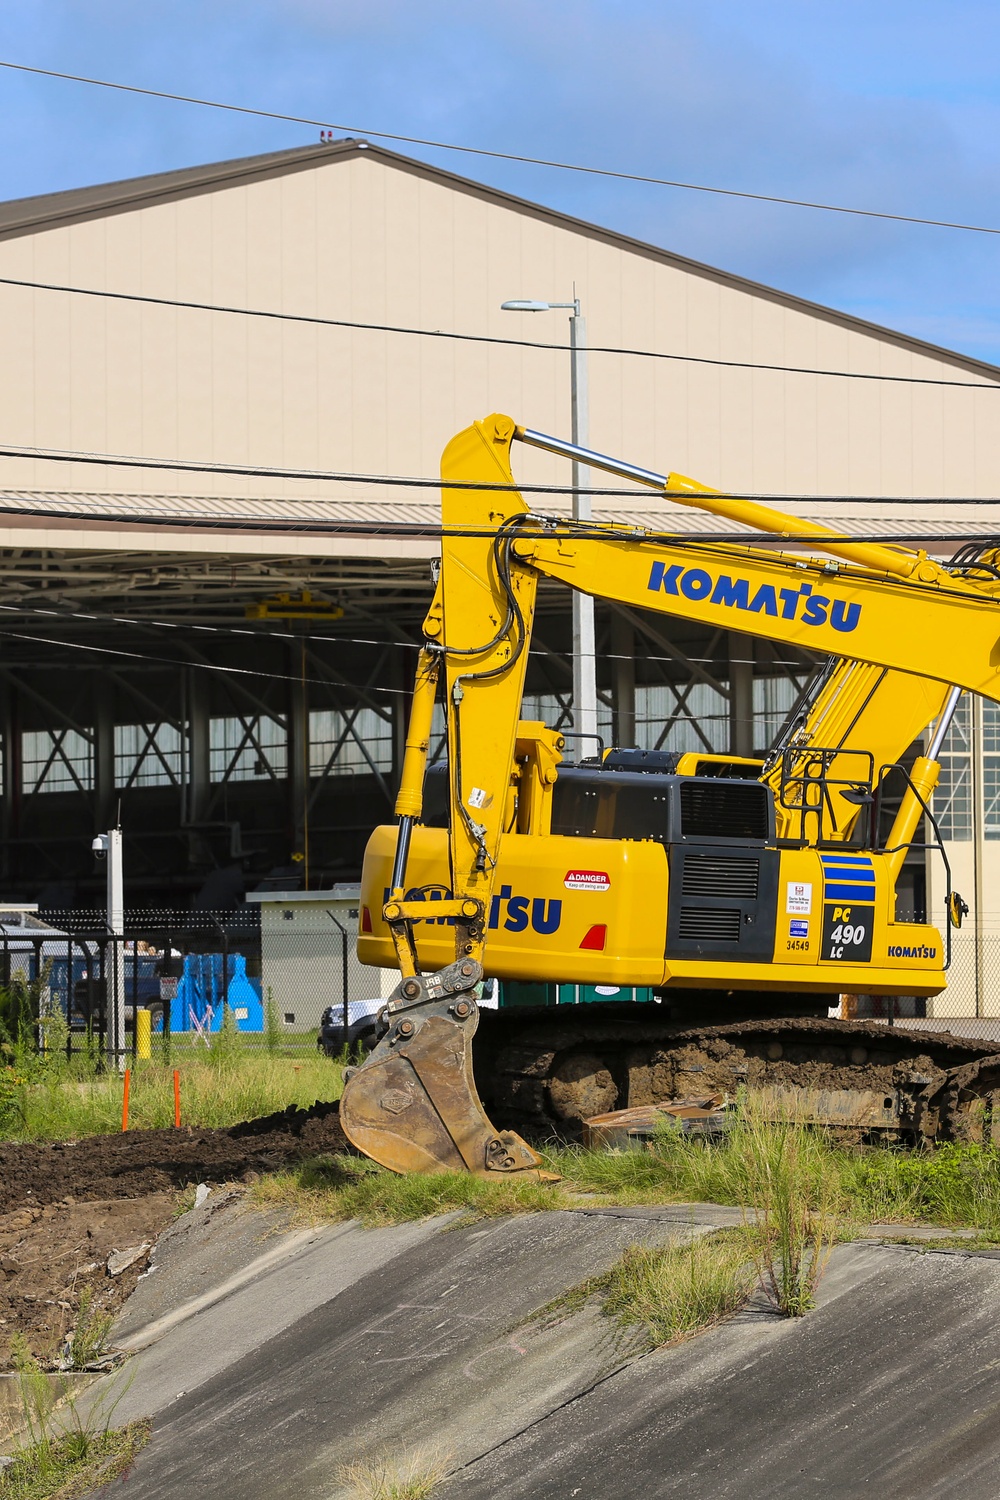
{"type": "Point", "coordinates": [22, 216]}
{"type": "Point", "coordinates": [216, 525]}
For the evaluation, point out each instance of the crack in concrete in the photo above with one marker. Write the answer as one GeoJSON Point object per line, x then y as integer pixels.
{"type": "Point", "coordinates": [552, 1412]}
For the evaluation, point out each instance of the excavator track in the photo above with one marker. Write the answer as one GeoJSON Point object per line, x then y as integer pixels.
{"type": "Point", "coordinates": [545, 1071]}
{"type": "Point", "coordinates": [968, 1104]}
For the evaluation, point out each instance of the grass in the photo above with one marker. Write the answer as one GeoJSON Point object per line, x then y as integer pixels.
{"type": "Point", "coordinates": [348, 1187]}
{"type": "Point", "coordinates": [60, 1101]}
{"type": "Point", "coordinates": [955, 1186]}
{"type": "Point", "coordinates": [90, 1335]}
{"type": "Point", "coordinates": [665, 1294]}
{"type": "Point", "coordinates": [780, 1168]}
{"type": "Point", "coordinates": [385, 1478]}
{"type": "Point", "coordinates": [66, 1451]}
{"type": "Point", "coordinates": [62, 1469]}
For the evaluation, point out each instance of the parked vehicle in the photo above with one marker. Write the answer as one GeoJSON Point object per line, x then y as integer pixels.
{"type": "Point", "coordinates": [144, 988]}
{"type": "Point", "coordinates": [362, 1030]}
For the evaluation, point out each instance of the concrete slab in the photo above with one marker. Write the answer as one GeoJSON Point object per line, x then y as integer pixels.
{"type": "Point", "coordinates": [272, 1361]}
{"type": "Point", "coordinates": [412, 1339]}
{"type": "Point", "coordinates": [890, 1387]}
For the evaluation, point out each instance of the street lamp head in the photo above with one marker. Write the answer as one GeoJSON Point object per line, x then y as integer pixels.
{"type": "Point", "coordinates": [524, 304]}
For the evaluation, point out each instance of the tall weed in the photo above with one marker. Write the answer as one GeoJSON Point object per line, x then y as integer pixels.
{"type": "Point", "coordinates": [69, 1448]}
{"type": "Point", "coordinates": [792, 1195]}
{"type": "Point", "coordinates": [393, 1478]}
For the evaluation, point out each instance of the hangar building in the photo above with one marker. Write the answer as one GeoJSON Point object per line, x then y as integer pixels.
{"type": "Point", "coordinates": [209, 377]}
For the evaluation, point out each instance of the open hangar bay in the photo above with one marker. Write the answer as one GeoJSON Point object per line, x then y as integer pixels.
{"type": "Point", "coordinates": [237, 749]}
{"type": "Point", "coordinates": [205, 369]}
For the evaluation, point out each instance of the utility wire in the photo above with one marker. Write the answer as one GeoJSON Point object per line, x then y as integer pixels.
{"type": "Point", "coordinates": [532, 161]}
{"type": "Point", "coordinates": [399, 481]}
{"type": "Point", "coordinates": [540, 528]}
{"type": "Point", "coordinates": [484, 338]}
{"type": "Point", "coordinates": [311, 636]}
{"type": "Point", "coordinates": [324, 682]}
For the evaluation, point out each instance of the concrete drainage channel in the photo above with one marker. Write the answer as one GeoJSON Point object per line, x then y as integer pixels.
{"type": "Point", "coordinates": [269, 1359]}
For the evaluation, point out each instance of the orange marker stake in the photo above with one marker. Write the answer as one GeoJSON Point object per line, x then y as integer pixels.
{"type": "Point", "coordinates": [177, 1100]}
{"type": "Point", "coordinates": [128, 1080]}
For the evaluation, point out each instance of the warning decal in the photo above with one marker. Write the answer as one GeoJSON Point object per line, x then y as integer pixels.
{"type": "Point", "coordinates": [587, 880]}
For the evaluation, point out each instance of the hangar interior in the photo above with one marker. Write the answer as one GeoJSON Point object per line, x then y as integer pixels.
{"type": "Point", "coordinates": [239, 752]}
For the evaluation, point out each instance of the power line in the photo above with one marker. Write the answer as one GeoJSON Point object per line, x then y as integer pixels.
{"type": "Point", "coordinates": [363, 688]}
{"type": "Point", "coordinates": [484, 338]}
{"type": "Point", "coordinates": [162, 661]}
{"type": "Point", "coordinates": [531, 161]}
{"type": "Point", "coordinates": [541, 528]}
{"type": "Point", "coordinates": [399, 481]}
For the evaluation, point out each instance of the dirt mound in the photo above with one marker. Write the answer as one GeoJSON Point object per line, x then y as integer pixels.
{"type": "Point", "coordinates": [66, 1207]}
{"type": "Point", "coordinates": [155, 1161]}
{"type": "Point", "coordinates": [50, 1256]}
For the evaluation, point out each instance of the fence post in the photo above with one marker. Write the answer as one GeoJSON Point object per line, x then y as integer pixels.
{"type": "Point", "coordinates": [69, 996]}
{"type": "Point", "coordinates": [135, 1000]}
{"type": "Point", "coordinates": [343, 965]}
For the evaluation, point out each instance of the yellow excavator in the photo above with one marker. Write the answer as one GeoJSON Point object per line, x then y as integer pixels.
{"type": "Point", "coordinates": [747, 895]}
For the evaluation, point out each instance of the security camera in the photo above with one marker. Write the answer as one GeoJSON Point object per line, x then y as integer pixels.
{"type": "Point", "coordinates": [100, 846]}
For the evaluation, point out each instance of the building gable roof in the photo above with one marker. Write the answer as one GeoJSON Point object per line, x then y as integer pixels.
{"type": "Point", "coordinates": [23, 216]}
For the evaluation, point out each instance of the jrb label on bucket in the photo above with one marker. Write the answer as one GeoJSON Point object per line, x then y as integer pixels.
{"type": "Point", "coordinates": [587, 880]}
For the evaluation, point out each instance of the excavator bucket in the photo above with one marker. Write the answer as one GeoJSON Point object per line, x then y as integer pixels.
{"type": "Point", "coordinates": [413, 1105]}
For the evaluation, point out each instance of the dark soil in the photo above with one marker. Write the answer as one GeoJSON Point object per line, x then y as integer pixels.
{"type": "Point", "coordinates": [65, 1206]}
{"type": "Point", "coordinates": [156, 1161]}
{"type": "Point", "coordinates": [48, 1256]}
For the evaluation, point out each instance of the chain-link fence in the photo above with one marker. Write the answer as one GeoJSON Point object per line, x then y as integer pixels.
{"type": "Point", "coordinates": [968, 1007]}
{"type": "Point", "coordinates": [275, 976]}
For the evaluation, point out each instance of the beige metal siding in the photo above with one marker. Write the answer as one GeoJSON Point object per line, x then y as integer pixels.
{"type": "Point", "coordinates": [362, 240]}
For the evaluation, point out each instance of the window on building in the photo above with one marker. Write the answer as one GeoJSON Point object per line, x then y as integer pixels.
{"type": "Point", "coordinates": [250, 749]}
{"type": "Point", "coordinates": [953, 797]}
{"type": "Point", "coordinates": [661, 723]}
{"type": "Point", "coordinates": [773, 700]}
{"type": "Point", "coordinates": [57, 760]}
{"type": "Point", "coordinates": [147, 755]}
{"type": "Point", "coordinates": [351, 744]}
{"type": "Point", "coordinates": [991, 770]}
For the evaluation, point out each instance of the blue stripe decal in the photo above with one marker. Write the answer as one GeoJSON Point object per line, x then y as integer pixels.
{"type": "Point", "coordinates": [848, 877]}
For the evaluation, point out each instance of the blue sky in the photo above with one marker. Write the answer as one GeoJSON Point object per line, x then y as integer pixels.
{"type": "Point", "coordinates": [889, 105]}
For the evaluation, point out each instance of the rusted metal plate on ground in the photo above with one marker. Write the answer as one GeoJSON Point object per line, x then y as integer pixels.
{"type": "Point", "coordinates": [631, 1129]}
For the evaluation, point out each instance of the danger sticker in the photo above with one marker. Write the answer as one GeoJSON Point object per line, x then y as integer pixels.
{"type": "Point", "coordinates": [587, 880]}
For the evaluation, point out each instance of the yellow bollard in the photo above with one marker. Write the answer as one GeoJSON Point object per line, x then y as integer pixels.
{"type": "Point", "coordinates": [143, 1035]}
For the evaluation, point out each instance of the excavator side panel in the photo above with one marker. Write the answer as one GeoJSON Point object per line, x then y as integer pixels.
{"type": "Point", "coordinates": [594, 911]}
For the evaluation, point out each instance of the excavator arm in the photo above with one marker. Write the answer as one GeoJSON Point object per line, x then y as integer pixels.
{"type": "Point", "coordinates": [915, 628]}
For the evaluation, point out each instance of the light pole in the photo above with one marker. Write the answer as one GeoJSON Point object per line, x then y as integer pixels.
{"type": "Point", "coordinates": [584, 669]}
{"type": "Point", "coordinates": [109, 846]}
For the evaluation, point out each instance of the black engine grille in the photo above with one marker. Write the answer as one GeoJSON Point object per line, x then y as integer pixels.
{"type": "Point", "coordinates": [724, 809]}
{"type": "Point", "coordinates": [720, 875]}
{"type": "Point", "coordinates": [710, 924]}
